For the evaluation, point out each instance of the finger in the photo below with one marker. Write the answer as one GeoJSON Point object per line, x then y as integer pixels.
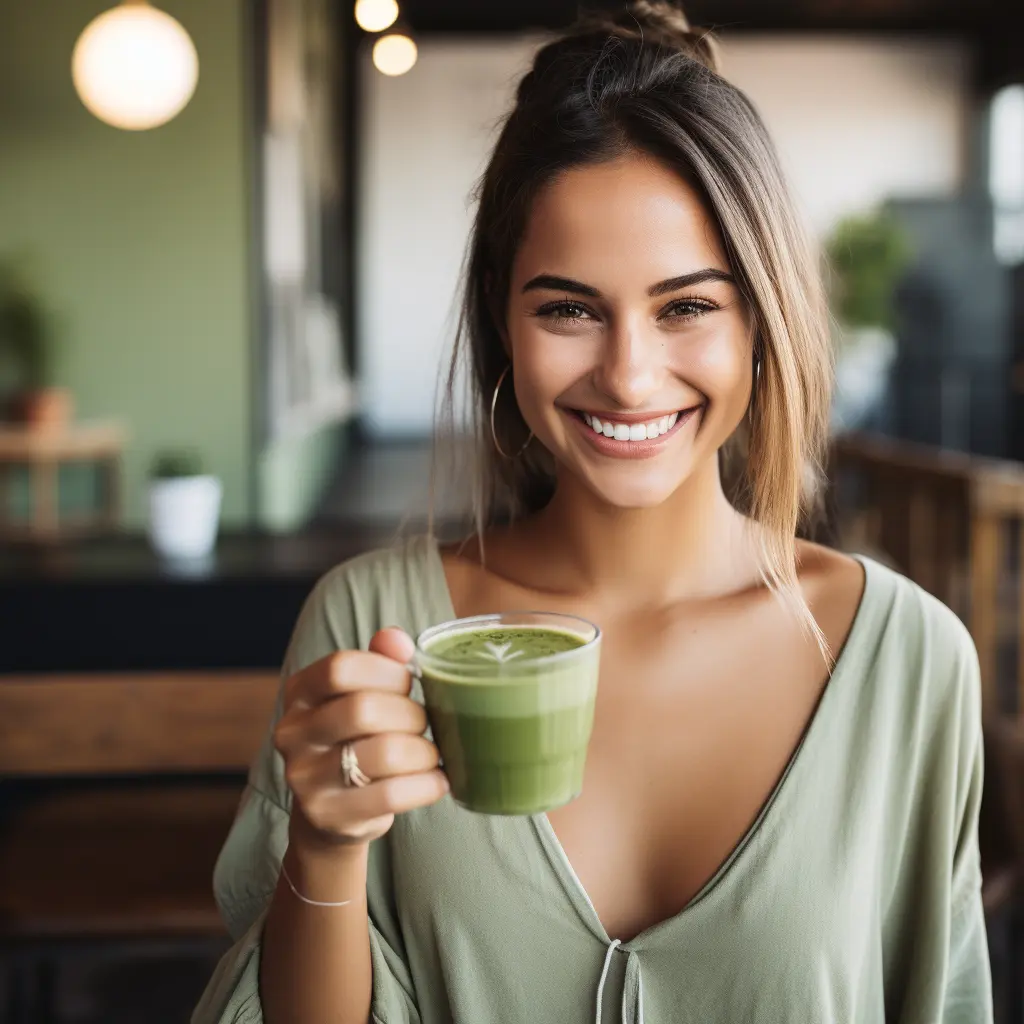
{"type": "Point", "coordinates": [349, 717]}
{"type": "Point", "coordinates": [341, 809]}
{"type": "Point", "coordinates": [346, 672]}
{"type": "Point", "coordinates": [379, 757]}
{"type": "Point", "coordinates": [393, 643]}
{"type": "Point", "coordinates": [390, 754]}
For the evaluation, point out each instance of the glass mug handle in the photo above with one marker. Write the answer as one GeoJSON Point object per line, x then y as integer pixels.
{"type": "Point", "coordinates": [417, 673]}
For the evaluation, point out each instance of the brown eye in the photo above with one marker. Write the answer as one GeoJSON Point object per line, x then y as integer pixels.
{"type": "Point", "coordinates": [688, 309]}
{"type": "Point", "coordinates": [565, 311]}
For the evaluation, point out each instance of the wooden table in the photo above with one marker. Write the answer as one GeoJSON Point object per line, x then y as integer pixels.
{"type": "Point", "coordinates": [42, 452]}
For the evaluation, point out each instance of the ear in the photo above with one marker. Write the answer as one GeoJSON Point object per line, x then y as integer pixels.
{"type": "Point", "coordinates": [503, 334]}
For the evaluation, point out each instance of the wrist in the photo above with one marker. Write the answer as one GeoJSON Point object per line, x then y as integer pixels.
{"type": "Point", "coordinates": [311, 849]}
{"type": "Point", "coordinates": [326, 874]}
{"type": "Point", "coordinates": [313, 844]}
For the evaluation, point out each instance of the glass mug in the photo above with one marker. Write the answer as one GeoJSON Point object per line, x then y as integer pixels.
{"type": "Point", "coordinates": [510, 701]}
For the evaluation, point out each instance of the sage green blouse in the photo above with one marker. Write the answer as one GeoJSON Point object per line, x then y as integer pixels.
{"type": "Point", "coordinates": [854, 897]}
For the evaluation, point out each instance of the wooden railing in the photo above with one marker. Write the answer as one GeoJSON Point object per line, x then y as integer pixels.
{"type": "Point", "coordinates": [946, 520]}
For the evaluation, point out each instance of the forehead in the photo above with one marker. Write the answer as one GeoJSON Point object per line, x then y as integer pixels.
{"type": "Point", "coordinates": [627, 220]}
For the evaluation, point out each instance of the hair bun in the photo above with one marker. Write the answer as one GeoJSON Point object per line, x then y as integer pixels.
{"type": "Point", "coordinates": [662, 22]}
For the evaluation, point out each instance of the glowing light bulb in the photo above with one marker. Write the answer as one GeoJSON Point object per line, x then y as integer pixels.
{"type": "Point", "coordinates": [376, 15]}
{"type": "Point", "coordinates": [134, 66]}
{"type": "Point", "coordinates": [394, 54]}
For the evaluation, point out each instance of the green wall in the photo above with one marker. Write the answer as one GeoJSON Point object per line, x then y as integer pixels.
{"type": "Point", "coordinates": [139, 239]}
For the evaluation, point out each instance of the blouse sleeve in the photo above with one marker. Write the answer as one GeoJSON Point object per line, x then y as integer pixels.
{"type": "Point", "coordinates": [968, 989]}
{"type": "Point", "coordinates": [247, 870]}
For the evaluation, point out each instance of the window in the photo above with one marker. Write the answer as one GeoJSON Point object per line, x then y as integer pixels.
{"type": "Point", "coordinates": [1006, 172]}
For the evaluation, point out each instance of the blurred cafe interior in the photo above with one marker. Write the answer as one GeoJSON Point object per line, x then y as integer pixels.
{"type": "Point", "coordinates": [225, 304]}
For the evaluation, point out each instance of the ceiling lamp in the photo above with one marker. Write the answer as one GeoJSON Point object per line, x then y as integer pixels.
{"type": "Point", "coordinates": [394, 54]}
{"type": "Point", "coordinates": [376, 15]}
{"type": "Point", "coordinates": [134, 66]}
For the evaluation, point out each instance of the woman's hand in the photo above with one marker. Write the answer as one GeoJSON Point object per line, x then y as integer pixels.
{"type": "Point", "coordinates": [362, 698]}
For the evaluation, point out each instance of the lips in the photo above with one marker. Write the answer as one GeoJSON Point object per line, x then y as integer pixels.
{"type": "Point", "coordinates": [624, 440]}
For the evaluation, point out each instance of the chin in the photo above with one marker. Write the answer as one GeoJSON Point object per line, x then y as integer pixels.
{"type": "Point", "coordinates": [635, 493]}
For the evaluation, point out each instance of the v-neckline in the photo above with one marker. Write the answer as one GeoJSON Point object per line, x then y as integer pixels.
{"type": "Point", "coordinates": [551, 845]}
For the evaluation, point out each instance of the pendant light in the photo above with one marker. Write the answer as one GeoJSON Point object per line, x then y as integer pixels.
{"type": "Point", "coordinates": [376, 15]}
{"type": "Point", "coordinates": [394, 54]}
{"type": "Point", "coordinates": [134, 66]}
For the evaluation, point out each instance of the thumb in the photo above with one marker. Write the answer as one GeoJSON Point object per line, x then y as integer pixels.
{"type": "Point", "coordinates": [393, 643]}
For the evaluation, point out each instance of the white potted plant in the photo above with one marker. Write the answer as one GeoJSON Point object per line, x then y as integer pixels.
{"type": "Point", "coordinates": [867, 256]}
{"type": "Point", "coordinates": [184, 506]}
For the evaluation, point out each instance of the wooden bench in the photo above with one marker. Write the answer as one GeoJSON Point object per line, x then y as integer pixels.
{"type": "Point", "coordinates": [118, 792]}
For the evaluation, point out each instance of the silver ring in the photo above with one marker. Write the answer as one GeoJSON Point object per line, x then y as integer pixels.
{"type": "Point", "coordinates": [351, 773]}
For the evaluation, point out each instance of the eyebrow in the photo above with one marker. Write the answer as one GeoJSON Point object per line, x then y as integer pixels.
{"type": "Point", "coordinates": [672, 284]}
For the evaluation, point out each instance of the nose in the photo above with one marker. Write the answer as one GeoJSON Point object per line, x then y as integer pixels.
{"type": "Point", "coordinates": [631, 368]}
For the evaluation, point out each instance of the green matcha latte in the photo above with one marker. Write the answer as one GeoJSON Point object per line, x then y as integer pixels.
{"type": "Point", "coordinates": [510, 700]}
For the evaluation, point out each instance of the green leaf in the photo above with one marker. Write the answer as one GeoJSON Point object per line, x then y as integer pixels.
{"type": "Point", "coordinates": [172, 465]}
{"type": "Point", "coordinates": [867, 255]}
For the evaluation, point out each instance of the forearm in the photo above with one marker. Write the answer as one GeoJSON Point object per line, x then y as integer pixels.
{"type": "Point", "coordinates": [315, 963]}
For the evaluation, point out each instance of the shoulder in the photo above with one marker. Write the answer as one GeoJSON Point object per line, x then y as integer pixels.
{"type": "Point", "coordinates": [884, 603]}
{"type": "Point", "coordinates": [362, 576]}
{"type": "Point", "coordinates": [833, 586]}
{"type": "Point", "coordinates": [911, 659]}
{"type": "Point", "coordinates": [930, 634]}
{"type": "Point", "coordinates": [399, 585]}
{"type": "Point", "coordinates": [917, 662]}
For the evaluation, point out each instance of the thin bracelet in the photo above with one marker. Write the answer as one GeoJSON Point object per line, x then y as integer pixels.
{"type": "Point", "coordinates": [306, 899]}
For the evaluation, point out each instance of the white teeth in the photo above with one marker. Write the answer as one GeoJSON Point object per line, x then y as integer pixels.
{"type": "Point", "coordinates": [631, 431]}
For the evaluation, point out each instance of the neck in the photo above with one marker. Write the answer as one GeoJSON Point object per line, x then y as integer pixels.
{"type": "Point", "coordinates": [695, 544]}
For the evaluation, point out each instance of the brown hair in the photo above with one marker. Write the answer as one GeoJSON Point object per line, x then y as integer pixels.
{"type": "Point", "coordinates": [645, 80]}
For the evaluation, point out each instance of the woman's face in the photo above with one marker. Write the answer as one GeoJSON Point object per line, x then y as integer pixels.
{"type": "Point", "coordinates": [630, 343]}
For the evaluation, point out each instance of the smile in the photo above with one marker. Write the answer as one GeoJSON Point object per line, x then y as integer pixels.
{"type": "Point", "coordinates": [636, 439]}
{"type": "Point", "coordinates": [630, 431]}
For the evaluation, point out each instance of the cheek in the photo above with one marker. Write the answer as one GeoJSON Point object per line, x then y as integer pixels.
{"type": "Point", "coordinates": [721, 366]}
{"type": "Point", "coordinates": [547, 365]}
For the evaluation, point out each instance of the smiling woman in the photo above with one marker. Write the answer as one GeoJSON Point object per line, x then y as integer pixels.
{"type": "Point", "coordinates": [764, 833]}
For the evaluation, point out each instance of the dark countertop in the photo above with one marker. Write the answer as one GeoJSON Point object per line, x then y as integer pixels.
{"type": "Point", "coordinates": [239, 556]}
{"type": "Point", "coordinates": [111, 605]}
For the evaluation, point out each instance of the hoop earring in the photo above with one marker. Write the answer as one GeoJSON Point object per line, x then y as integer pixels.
{"type": "Point", "coordinates": [754, 385]}
{"type": "Point", "coordinates": [494, 436]}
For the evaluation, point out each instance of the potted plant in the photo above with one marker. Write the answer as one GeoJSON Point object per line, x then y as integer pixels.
{"type": "Point", "coordinates": [27, 350]}
{"type": "Point", "coordinates": [867, 255]}
{"type": "Point", "coordinates": [184, 506]}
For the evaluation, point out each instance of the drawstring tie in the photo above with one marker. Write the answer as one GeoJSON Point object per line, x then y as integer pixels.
{"type": "Point", "coordinates": [633, 984]}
